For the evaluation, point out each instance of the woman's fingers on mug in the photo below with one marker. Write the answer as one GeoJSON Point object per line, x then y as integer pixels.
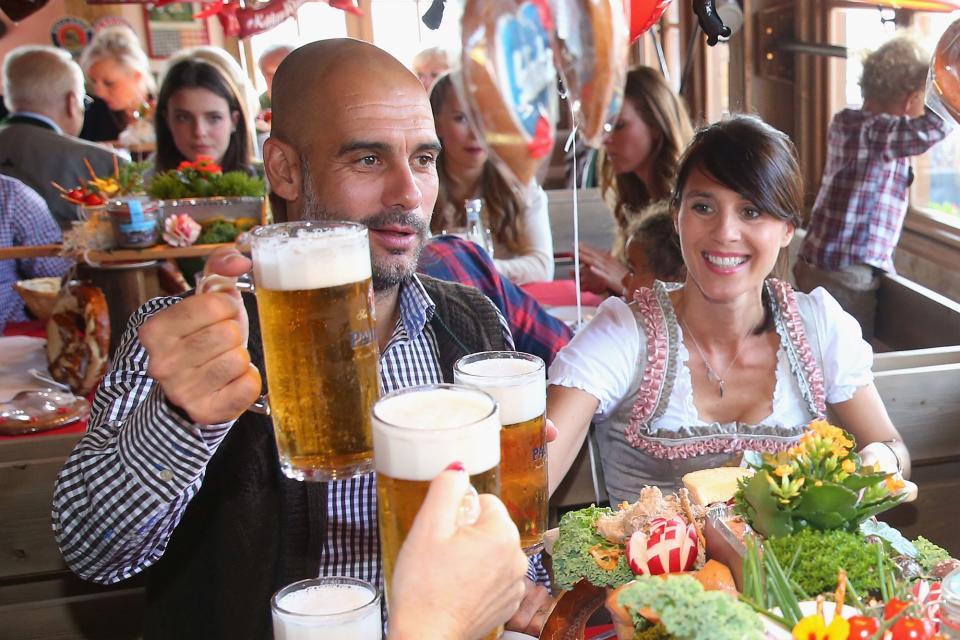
{"type": "Point", "coordinates": [551, 430]}
{"type": "Point", "coordinates": [438, 514]}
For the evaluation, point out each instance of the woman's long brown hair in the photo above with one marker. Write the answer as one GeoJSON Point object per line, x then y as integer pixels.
{"type": "Point", "coordinates": [663, 111]}
{"type": "Point", "coordinates": [503, 209]}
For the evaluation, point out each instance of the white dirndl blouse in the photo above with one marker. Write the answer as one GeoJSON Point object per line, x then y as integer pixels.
{"type": "Point", "coordinates": [633, 360]}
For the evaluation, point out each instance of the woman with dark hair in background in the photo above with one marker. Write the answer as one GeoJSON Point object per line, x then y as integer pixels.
{"type": "Point", "coordinates": [520, 227]}
{"type": "Point", "coordinates": [693, 375]}
{"type": "Point", "coordinates": [201, 111]}
{"type": "Point", "coordinates": [638, 168]}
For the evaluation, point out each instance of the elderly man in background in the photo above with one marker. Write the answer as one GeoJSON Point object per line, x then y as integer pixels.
{"type": "Point", "coordinates": [43, 90]}
{"type": "Point", "coordinates": [269, 60]}
{"type": "Point", "coordinates": [169, 479]}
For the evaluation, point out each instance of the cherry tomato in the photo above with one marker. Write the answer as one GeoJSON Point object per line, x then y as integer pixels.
{"type": "Point", "coordinates": [862, 627]}
{"type": "Point", "coordinates": [893, 607]}
{"type": "Point", "coordinates": [907, 628]}
{"type": "Point", "coordinates": [76, 194]}
{"type": "Point", "coordinates": [92, 199]}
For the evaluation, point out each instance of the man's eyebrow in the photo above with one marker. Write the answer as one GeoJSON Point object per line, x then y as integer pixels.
{"type": "Point", "coordinates": [429, 146]}
{"type": "Point", "coordinates": [362, 145]}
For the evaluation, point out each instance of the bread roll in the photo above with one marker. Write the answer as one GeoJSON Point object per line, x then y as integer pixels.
{"type": "Point", "coordinates": [714, 485]}
{"type": "Point", "coordinates": [78, 337]}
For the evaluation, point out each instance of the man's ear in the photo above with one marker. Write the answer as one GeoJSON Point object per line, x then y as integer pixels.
{"type": "Point", "coordinates": [284, 171]}
{"type": "Point", "coordinates": [71, 104]}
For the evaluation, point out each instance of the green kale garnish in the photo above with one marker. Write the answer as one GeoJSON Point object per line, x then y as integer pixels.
{"type": "Point", "coordinates": [688, 612]}
{"type": "Point", "coordinates": [929, 554]}
{"type": "Point", "coordinates": [572, 560]}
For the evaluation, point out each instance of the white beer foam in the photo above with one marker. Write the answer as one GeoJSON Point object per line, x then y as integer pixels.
{"type": "Point", "coordinates": [326, 599]}
{"type": "Point", "coordinates": [518, 400]}
{"type": "Point", "coordinates": [312, 260]}
{"type": "Point", "coordinates": [422, 449]}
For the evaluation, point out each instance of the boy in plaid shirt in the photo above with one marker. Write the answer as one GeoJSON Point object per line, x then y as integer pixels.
{"type": "Point", "coordinates": [856, 221]}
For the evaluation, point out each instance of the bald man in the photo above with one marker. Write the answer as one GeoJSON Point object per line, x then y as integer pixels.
{"type": "Point", "coordinates": [173, 474]}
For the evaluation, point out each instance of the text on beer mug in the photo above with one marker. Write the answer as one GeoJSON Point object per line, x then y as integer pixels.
{"type": "Point", "coordinates": [517, 381]}
{"type": "Point", "coordinates": [327, 608]}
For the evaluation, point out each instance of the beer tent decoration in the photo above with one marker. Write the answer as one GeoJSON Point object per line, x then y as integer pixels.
{"type": "Point", "coordinates": [591, 53]}
{"type": "Point", "coordinates": [239, 18]}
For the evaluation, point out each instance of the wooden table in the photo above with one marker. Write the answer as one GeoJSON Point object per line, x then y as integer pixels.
{"type": "Point", "coordinates": [158, 252]}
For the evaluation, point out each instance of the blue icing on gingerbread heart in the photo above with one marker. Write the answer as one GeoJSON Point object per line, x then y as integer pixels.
{"type": "Point", "coordinates": [525, 63]}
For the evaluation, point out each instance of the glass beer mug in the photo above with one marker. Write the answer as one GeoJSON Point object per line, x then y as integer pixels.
{"type": "Point", "coordinates": [328, 608]}
{"type": "Point", "coordinates": [315, 303]}
{"type": "Point", "coordinates": [517, 381]}
{"type": "Point", "coordinates": [417, 432]}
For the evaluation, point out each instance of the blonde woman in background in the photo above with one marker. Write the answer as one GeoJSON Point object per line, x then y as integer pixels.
{"type": "Point", "coordinates": [119, 73]}
{"type": "Point", "coordinates": [639, 166]}
{"type": "Point", "coordinates": [430, 64]}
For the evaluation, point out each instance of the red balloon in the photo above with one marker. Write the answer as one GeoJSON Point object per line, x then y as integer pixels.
{"type": "Point", "coordinates": [644, 14]}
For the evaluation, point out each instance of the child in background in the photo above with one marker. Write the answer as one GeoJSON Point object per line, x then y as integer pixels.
{"type": "Point", "coordinates": [652, 250]}
{"type": "Point", "coordinates": [856, 221]}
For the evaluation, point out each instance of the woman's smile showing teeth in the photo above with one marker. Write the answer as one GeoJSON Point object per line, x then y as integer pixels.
{"type": "Point", "coordinates": [724, 261]}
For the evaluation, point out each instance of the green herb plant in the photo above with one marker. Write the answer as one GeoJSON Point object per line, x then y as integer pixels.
{"type": "Point", "coordinates": [818, 484]}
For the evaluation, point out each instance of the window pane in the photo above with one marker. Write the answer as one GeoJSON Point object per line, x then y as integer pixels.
{"type": "Point", "coordinates": [317, 21]}
{"type": "Point", "coordinates": [398, 29]}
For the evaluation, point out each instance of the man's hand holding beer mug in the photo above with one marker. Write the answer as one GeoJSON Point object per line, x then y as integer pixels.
{"type": "Point", "coordinates": [198, 349]}
{"type": "Point", "coordinates": [456, 581]}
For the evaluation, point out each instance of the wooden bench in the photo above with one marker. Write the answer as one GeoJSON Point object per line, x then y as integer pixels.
{"type": "Point", "coordinates": [40, 599]}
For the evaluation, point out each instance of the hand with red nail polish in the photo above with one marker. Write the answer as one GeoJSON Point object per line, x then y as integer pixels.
{"type": "Point", "coordinates": [456, 582]}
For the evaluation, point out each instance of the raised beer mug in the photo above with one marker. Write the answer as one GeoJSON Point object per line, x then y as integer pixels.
{"type": "Point", "coordinates": [517, 381]}
{"type": "Point", "coordinates": [417, 432]}
{"type": "Point", "coordinates": [315, 304]}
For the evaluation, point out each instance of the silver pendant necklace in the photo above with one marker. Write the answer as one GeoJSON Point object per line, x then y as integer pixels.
{"type": "Point", "coordinates": [712, 374]}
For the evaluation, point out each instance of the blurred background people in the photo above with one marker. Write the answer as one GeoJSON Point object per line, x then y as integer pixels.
{"type": "Point", "coordinates": [430, 64]}
{"type": "Point", "coordinates": [119, 73]}
{"type": "Point", "coordinates": [638, 167]}
{"type": "Point", "coordinates": [519, 226]}
{"type": "Point", "coordinates": [43, 89]}
{"type": "Point", "coordinates": [856, 221]}
{"type": "Point", "coordinates": [203, 111]}
{"type": "Point", "coordinates": [269, 60]}
{"type": "Point", "coordinates": [25, 220]}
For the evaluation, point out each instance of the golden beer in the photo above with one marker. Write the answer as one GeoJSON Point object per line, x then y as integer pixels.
{"type": "Point", "coordinates": [417, 432]}
{"type": "Point", "coordinates": [517, 381]}
{"type": "Point", "coordinates": [315, 301]}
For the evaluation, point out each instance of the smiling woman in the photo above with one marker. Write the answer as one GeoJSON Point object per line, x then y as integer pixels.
{"type": "Point", "coordinates": [692, 376]}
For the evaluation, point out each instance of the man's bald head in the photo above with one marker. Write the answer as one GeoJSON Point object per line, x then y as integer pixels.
{"type": "Point", "coordinates": [318, 79]}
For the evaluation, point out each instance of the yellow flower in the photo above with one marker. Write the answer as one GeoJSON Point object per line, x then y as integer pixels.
{"type": "Point", "coordinates": [848, 466]}
{"type": "Point", "coordinates": [814, 628]}
{"type": "Point", "coordinates": [893, 483]}
{"type": "Point", "coordinates": [783, 470]}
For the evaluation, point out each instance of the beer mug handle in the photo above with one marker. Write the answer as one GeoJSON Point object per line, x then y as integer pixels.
{"type": "Point", "coordinates": [469, 511]}
{"type": "Point", "coordinates": [244, 284]}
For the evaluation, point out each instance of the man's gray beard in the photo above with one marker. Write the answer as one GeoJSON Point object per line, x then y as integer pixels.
{"type": "Point", "coordinates": [385, 277]}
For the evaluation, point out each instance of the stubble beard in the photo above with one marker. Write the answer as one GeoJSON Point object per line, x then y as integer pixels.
{"type": "Point", "coordinates": [385, 274]}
